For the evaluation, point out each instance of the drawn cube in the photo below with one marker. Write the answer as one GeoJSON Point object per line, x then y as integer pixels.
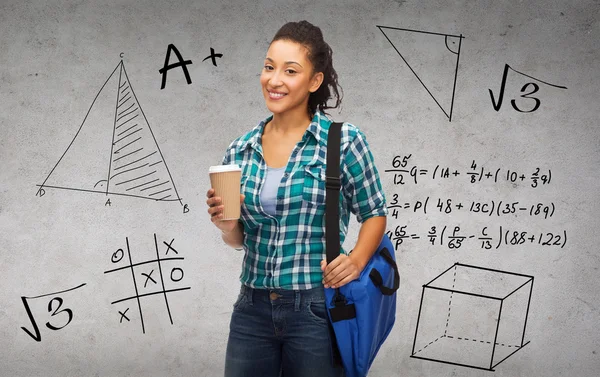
{"type": "Point", "coordinates": [472, 316]}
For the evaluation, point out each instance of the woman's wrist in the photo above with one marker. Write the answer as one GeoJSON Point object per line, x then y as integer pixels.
{"type": "Point", "coordinates": [233, 237]}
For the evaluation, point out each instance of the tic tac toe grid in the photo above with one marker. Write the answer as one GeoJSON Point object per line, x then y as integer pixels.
{"type": "Point", "coordinates": [150, 278]}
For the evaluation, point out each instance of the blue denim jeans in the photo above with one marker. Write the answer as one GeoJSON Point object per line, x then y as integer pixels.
{"type": "Point", "coordinates": [279, 332]}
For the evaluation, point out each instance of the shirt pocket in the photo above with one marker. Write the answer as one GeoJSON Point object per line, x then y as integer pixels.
{"type": "Point", "coordinates": [313, 190]}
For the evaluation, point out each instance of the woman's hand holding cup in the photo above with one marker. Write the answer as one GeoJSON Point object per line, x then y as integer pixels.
{"type": "Point", "coordinates": [215, 210]}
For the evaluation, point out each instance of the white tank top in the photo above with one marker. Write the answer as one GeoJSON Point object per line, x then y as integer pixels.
{"type": "Point", "coordinates": [268, 193]}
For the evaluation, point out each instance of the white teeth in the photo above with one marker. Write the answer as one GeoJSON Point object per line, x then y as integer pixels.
{"type": "Point", "coordinates": [279, 95]}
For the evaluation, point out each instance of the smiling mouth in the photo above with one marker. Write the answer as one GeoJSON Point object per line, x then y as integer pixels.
{"type": "Point", "coordinates": [274, 95]}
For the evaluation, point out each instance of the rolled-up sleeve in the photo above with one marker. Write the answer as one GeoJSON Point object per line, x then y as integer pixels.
{"type": "Point", "coordinates": [361, 181]}
{"type": "Point", "coordinates": [229, 157]}
{"type": "Point", "coordinates": [226, 158]}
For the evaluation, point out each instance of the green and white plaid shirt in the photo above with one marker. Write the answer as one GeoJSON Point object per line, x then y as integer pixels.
{"type": "Point", "coordinates": [285, 251]}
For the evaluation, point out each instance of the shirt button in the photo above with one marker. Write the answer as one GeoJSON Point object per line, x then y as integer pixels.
{"type": "Point", "coordinates": [286, 175]}
{"type": "Point", "coordinates": [279, 197]}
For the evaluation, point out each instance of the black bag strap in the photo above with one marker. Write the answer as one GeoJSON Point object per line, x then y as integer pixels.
{"type": "Point", "coordinates": [332, 215]}
{"type": "Point", "coordinates": [333, 186]}
{"type": "Point", "coordinates": [332, 209]}
{"type": "Point", "coordinates": [332, 227]}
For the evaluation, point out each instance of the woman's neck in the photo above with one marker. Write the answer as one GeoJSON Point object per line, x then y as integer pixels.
{"type": "Point", "coordinates": [290, 122]}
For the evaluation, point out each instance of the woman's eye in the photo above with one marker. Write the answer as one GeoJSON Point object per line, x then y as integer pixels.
{"type": "Point", "coordinates": [268, 67]}
{"type": "Point", "coordinates": [291, 71]}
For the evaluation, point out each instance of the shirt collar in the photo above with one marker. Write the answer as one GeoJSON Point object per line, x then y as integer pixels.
{"type": "Point", "coordinates": [317, 129]}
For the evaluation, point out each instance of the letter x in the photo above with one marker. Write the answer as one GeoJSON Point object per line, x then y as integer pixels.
{"type": "Point", "coordinates": [148, 278]}
{"type": "Point", "coordinates": [169, 247]}
{"type": "Point", "coordinates": [123, 316]}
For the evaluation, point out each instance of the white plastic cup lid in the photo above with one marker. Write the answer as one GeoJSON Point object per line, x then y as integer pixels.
{"type": "Point", "coordinates": [224, 168]}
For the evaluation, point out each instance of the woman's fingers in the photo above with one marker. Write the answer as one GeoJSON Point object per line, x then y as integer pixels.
{"type": "Point", "coordinates": [213, 200]}
{"type": "Point", "coordinates": [339, 272]}
{"type": "Point", "coordinates": [215, 209]}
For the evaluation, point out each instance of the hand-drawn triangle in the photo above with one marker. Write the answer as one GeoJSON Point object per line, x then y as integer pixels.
{"type": "Point", "coordinates": [432, 58]}
{"type": "Point", "coordinates": [114, 151]}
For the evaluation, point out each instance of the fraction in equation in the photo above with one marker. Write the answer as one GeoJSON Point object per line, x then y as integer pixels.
{"type": "Point", "coordinates": [403, 173]}
{"type": "Point", "coordinates": [58, 314]}
{"type": "Point", "coordinates": [453, 237]}
{"type": "Point", "coordinates": [491, 208]}
{"type": "Point", "coordinates": [149, 278]}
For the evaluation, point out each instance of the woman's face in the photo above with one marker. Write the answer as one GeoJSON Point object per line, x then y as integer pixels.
{"type": "Point", "coordinates": [287, 77]}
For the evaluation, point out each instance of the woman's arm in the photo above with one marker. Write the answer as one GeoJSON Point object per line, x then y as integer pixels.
{"type": "Point", "coordinates": [235, 237]}
{"type": "Point", "coordinates": [369, 237]}
{"type": "Point", "coordinates": [364, 194]}
{"type": "Point", "coordinates": [232, 231]}
{"type": "Point", "coordinates": [343, 269]}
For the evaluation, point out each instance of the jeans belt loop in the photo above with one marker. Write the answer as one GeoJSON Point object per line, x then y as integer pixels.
{"type": "Point", "coordinates": [297, 299]}
{"type": "Point", "coordinates": [248, 292]}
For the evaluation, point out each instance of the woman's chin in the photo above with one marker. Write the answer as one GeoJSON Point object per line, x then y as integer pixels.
{"type": "Point", "coordinates": [274, 108]}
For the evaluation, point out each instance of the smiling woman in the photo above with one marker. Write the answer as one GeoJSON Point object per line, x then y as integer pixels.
{"type": "Point", "coordinates": [279, 322]}
{"type": "Point", "coordinates": [286, 84]}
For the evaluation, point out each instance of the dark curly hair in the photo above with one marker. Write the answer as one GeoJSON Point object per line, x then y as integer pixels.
{"type": "Point", "coordinates": [320, 56]}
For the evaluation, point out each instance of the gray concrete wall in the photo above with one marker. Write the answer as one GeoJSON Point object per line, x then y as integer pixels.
{"type": "Point", "coordinates": [56, 57]}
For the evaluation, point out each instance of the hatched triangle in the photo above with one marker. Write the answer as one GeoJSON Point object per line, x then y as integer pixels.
{"type": "Point", "coordinates": [114, 151]}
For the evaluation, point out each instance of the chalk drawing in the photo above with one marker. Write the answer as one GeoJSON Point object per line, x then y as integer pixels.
{"type": "Point", "coordinates": [60, 316]}
{"type": "Point", "coordinates": [114, 150]}
{"type": "Point", "coordinates": [433, 60]}
{"type": "Point", "coordinates": [150, 278]}
{"type": "Point", "coordinates": [473, 317]}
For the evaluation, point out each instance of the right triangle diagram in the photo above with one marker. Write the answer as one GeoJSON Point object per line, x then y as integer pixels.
{"type": "Point", "coordinates": [433, 59]}
{"type": "Point", "coordinates": [114, 151]}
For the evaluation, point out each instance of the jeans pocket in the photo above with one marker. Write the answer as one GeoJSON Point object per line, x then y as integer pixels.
{"type": "Point", "coordinates": [239, 303]}
{"type": "Point", "coordinates": [317, 311]}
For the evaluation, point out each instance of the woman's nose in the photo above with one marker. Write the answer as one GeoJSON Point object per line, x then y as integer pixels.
{"type": "Point", "coordinates": [275, 79]}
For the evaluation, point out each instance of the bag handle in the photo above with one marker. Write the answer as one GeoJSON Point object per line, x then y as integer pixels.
{"type": "Point", "coordinates": [378, 280]}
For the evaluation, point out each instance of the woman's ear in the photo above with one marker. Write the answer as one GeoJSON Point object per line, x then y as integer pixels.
{"type": "Point", "coordinates": [316, 81]}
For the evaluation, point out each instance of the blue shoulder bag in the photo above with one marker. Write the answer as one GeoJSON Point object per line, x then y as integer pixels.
{"type": "Point", "coordinates": [362, 312]}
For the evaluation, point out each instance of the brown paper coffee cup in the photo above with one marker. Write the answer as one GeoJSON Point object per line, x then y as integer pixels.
{"type": "Point", "coordinates": [225, 179]}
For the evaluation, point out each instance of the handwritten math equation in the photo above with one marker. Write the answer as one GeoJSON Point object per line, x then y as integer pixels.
{"type": "Point", "coordinates": [57, 316]}
{"type": "Point", "coordinates": [491, 208]}
{"type": "Point", "coordinates": [453, 237]}
{"type": "Point", "coordinates": [404, 173]}
{"type": "Point", "coordinates": [149, 278]}
{"type": "Point", "coordinates": [533, 103]}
